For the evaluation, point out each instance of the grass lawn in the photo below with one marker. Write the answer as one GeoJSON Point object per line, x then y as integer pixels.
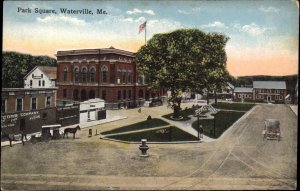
{"type": "Point", "coordinates": [137, 126]}
{"type": "Point", "coordinates": [157, 136]}
{"type": "Point", "coordinates": [234, 106]}
{"type": "Point", "coordinates": [223, 120]}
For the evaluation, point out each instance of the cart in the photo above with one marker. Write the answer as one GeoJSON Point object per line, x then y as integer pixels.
{"type": "Point", "coordinates": [48, 132]}
{"type": "Point", "coordinates": [271, 130]}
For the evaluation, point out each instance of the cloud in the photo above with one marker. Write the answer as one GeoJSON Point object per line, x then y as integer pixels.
{"type": "Point", "coordinates": [190, 11]}
{"type": "Point", "coordinates": [268, 9]}
{"type": "Point", "coordinates": [62, 18]}
{"type": "Point", "coordinates": [252, 29]}
{"type": "Point", "coordinates": [216, 24]}
{"type": "Point", "coordinates": [138, 11]}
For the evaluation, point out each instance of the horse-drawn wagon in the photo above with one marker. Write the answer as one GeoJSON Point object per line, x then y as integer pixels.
{"type": "Point", "coordinates": [271, 129]}
{"type": "Point", "coordinates": [48, 132]}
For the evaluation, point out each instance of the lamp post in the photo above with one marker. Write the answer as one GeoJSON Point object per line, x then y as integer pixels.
{"type": "Point", "coordinates": [214, 127]}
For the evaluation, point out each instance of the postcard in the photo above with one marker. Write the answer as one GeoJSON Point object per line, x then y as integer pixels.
{"type": "Point", "coordinates": [149, 95]}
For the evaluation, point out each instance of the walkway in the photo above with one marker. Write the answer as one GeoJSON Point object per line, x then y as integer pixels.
{"type": "Point", "coordinates": [295, 109]}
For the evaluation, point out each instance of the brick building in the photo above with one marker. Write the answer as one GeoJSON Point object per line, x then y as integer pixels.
{"type": "Point", "coordinates": [27, 110]}
{"type": "Point", "coordinates": [108, 73]}
{"type": "Point", "coordinates": [243, 94]}
{"type": "Point", "coordinates": [262, 91]}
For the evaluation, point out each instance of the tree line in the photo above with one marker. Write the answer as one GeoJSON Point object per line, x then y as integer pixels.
{"type": "Point", "coordinates": [16, 65]}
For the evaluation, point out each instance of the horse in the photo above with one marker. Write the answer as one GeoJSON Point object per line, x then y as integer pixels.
{"type": "Point", "coordinates": [71, 130]}
{"type": "Point", "coordinates": [11, 138]}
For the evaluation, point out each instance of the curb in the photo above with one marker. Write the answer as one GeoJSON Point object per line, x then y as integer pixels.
{"type": "Point", "coordinates": [135, 142]}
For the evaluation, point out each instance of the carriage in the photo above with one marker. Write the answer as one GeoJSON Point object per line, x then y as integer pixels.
{"type": "Point", "coordinates": [48, 132]}
{"type": "Point", "coordinates": [271, 130]}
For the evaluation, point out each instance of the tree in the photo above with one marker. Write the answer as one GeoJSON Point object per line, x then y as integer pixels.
{"type": "Point", "coordinates": [181, 60]}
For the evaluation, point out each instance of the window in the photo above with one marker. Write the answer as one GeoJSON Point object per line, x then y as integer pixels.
{"type": "Point", "coordinates": [119, 94]}
{"type": "Point", "coordinates": [32, 75]}
{"type": "Point", "coordinates": [39, 82]}
{"type": "Point", "coordinates": [124, 94]}
{"type": "Point", "coordinates": [129, 94]}
{"type": "Point", "coordinates": [129, 76]}
{"type": "Point", "coordinates": [76, 74]}
{"type": "Point", "coordinates": [42, 75]}
{"type": "Point", "coordinates": [75, 94]}
{"type": "Point", "coordinates": [103, 94]}
{"type": "Point", "coordinates": [83, 74]}
{"type": "Point", "coordinates": [33, 103]}
{"type": "Point", "coordinates": [19, 104]}
{"type": "Point", "coordinates": [65, 74]}
{"type": "Point", "coordinates": [3, 106]}
{"type": "Point", "coordinates": [92, 74]}
{"type": "Point", "coordinates": [141, 93]}
{"type": "Point", "coordinates": [64, 93]}
{"type": "Point", "coordinates": [141, 79]}
{"type": "Point", "coordinates": [119, 76]}
{"type": "Point", "coordinates": [104, 73]}
{"type": "Point", "coordinates": [48, 101]}
{"type": "Point", "coordinates": [124, 76]}
{"type": "Point", "coordinates": [30, 83]}
{"type": "Point", "coordinates": [43, 83]}
{"type": "Point", "coordinates": [239, 95]}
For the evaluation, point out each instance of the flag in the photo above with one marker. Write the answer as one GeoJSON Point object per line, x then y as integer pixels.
{"type": "Point", "coordinates": [142, 27]}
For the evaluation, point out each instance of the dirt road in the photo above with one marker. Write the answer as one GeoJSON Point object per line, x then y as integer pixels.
{"type": "Point", "coordinates": [239, 159]}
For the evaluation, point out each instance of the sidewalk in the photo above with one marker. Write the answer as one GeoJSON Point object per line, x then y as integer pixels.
{"type": "Point", "coordinates": [187, 127]}
{"type": "Point", "coordinates": [82, 125]}
{"type": "Point", "coordinates": [294, 109]}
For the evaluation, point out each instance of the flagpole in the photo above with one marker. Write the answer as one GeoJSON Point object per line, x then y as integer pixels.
{"type": "Point", "coordinates": [145, 34]}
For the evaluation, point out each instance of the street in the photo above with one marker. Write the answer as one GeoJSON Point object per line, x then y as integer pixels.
{"type": "Point", "coordinates": [239, 159]}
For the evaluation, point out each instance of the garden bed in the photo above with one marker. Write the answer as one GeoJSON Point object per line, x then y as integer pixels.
{"type": "Point", "coordinates": [138, 126]}
{"type": "Point", "coordinates": [223, 120]}
{"type": "Point", "coordinates": [234, 106]}
{"type": "Point", "coordinates": [167, 134]}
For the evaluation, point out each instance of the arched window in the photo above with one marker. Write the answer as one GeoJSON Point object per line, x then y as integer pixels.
{"type": "Point", "coordinates": [83, 95]}
{"type": "Point", "coordinates": [119, 76]}
{"type": "Point", "coordinates": [75, 94]}
{"type": "Point", "coordinates": [104, 73]}
{"type": "Point", "coordinates": [92, 74]}
{"type": "Point", "coordinates": [141, 93]}
{"type": "Point", "coordinates": [129, 76]}
{"type": "Point", "coordinates": [76, 74]}
{"type": "Point", "coordinates": [92, 94]}
{"type": "Point", "coordinates": [124, 76]}
{"type": "Point", "coordinates": [65, 73]}
{"type": "Point", "coordinates": [83, 74]}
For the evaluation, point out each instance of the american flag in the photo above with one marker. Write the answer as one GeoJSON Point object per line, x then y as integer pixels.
{"type": "Point", "coordinates": [142, 26]}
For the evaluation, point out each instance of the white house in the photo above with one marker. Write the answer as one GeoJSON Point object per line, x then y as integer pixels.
{"type": "Point", "coordinates": [41, 77]}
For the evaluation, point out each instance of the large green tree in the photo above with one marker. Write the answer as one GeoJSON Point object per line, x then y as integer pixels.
{"type": "Point", "coordinates": [16, 65]}
{"type": "Point", "coordinates": [182, 60]}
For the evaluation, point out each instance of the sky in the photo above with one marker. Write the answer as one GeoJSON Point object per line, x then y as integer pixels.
{"type": "Point", "coordinates": [263, 33]}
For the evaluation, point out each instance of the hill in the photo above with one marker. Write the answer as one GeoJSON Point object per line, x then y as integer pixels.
{"type": "Point", "coordinates": [16, 65]}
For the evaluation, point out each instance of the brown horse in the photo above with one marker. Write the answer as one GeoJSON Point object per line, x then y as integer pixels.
{"type": "Point", "coordinates": [71, 130]}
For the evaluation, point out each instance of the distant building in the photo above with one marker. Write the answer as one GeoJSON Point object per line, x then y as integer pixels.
{"type": "Point", "coordinates": [41, 77]}
{"type": "Point", "coordinates": [262, 91]}
{"type": "Point", "coordinates": [108, 73]}
{"type": "Point", "coordinates": [269, 91]}
{"type": "Point", "coordinates": [243, 94]}
{"type": "Point", "coordinates": [27, 110]}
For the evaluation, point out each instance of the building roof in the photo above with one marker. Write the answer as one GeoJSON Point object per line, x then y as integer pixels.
{"type": "Point", "coordinates": [230, 85]}
{"type": "Point", "coordinates": [49, 71]}
{"type": "Point", "coordinates": [269, 84]}
{"type": "Point", "coordinates": [111, 49]}
{"type": "Point", "coordinates": [242, 90]}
